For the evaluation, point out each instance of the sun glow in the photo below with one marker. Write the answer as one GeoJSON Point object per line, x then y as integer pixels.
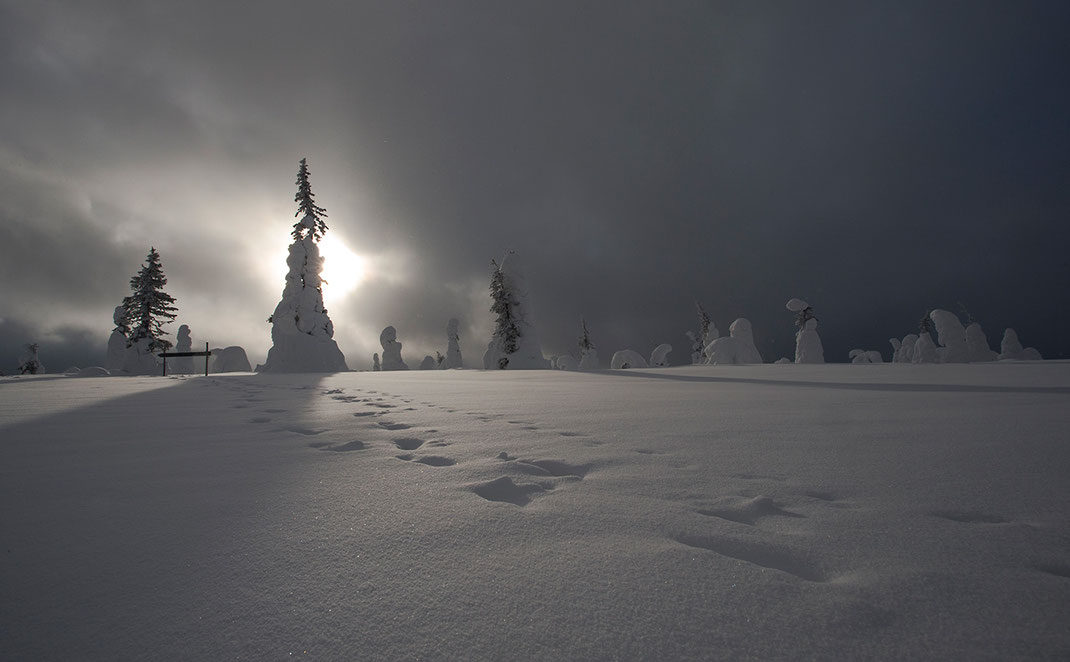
{"type": "Point", "coordinates": [342, 268]}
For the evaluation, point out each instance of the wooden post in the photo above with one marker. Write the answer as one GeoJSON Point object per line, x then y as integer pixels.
{"type": "Point", "coordinates": [164, 355]}
{"type": "Point", "coordinates": [206, 355]}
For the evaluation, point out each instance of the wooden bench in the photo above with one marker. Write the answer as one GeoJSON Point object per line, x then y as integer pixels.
{"type": "Point", "coordinates": [205, 354]}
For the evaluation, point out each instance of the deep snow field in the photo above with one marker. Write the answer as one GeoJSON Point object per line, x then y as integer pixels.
{"type": "Point", "coordinates": [889, 511]}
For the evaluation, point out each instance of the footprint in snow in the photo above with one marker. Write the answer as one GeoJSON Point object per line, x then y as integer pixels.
{"type": "Point", "coordinates": [305, 431]}
{"type": "Point", "coordinates": [361, 414]}
{"type": "Point", "coordinates": [394, 426]}
{"type": "Point", "coordinates": [504, 489]}
{"type": "Point", "coordinates": [969, 517]}
{"type": "Point", "coordinates": [554, 468]}
{"type": "Point", "coordinates": [408, 443]}
{"type": "Point", "coordinates": [757, 553]}
{"type": "Point", "coordinates": [747, 511]}
{"type": "Point", "coordinates": [344, 448]}
{"type": "Point", "coordinates": [429, 460]}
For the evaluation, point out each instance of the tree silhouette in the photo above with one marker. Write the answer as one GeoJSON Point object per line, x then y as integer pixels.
{"type": "Point", "coordinates": [311, 215]}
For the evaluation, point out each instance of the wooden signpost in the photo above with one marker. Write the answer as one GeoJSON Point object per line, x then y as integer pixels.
{"type": "Point", "coordinates": [205, 354]}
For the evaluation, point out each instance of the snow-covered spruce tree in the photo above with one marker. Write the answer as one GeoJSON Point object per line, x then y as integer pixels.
{"type": "Point", "coordinates": [707, 333]}
{"type": "Point", "coordinates": [144, 313]}
{"type": "Point", "coordinates": [29, 362]}
{"type": "Point", "coordinates": [118, 340]}
{"type": "Point", "coordinates": [453, 345]}
{"type": "Point", "coordinates": [301, 332]}
{"type": "Point", "coordinates": [515, 342]}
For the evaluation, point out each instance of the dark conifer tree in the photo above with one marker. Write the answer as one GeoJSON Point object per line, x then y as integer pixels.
{"type": "Point", "coordinates": [149, 307]}
{"type": "Point", "coordinates": [585, 339]}
{"type": "Point", "coordinates": [505, 327]}
{"type": "Point", "coordinates": [926, 325]}
{"type": "Point", "coordinates": [804, 316]}
{"type": "Point", "coordinates": [311, 215]}
{"type": "Point", "coordinates": [703, 322]}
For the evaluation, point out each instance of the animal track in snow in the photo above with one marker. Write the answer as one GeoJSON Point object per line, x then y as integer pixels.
{"type": "Point", "coordinates": [504, 489]}
{"type": "Point", "coordinates": [382, 405]}
{"type": "Point", "coordinates": [408, 443]}
{"type": "Point", "coordinates": [555, 468]}
{"type": "Point", "coordinates": [305, 431]}
{"type": "Point", "coordinates": [759, 554]}
{"type": "Point", "coordinates": [969, 517]}
{"type": "Point", "coordinates": [394, 426]}
{"type": "Point", "coordinates": [748, 511]}
{"type": "Point", "coordinates": [436, 461]}
{"type": "Point", "coordinates": [343, 448]}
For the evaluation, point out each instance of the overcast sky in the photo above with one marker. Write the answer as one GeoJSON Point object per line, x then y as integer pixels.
{"type": "Point", "coordinates": [877, 159]}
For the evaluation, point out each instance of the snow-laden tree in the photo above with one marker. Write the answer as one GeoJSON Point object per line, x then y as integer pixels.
{"type": "Point", "coordinates": [453, 346]}
{"type": "Point", "coordinates": [144, 313]}
{"type": "Point", "coordinates": [29, 362]}
{"type": "Point", "coordinates": [183, 343]}
{"type": "Point", "coordinates": [302, 335]}
{"type": "Point", "coordinates": [391, 350]}
{"type": "Point", "coordinates": [808, 347]}
{"type": "Point", "coordinates": [514, 345]}
{"type": "Point", "coordinates": [118, 340]}
{"type": "Point", "coordinates": [588, 353]}
{"type": "Point", "coordinates": [707, 333]}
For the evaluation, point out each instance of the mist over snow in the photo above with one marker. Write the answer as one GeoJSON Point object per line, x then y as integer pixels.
{"type": "Point", "coordinates": [639, 156]}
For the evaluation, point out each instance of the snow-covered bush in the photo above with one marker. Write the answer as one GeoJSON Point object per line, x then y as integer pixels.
{"type": "Point", "coordinates": [627, 358]}
{"type": "Point", "coordinates": [375, 363]}
{"type": "Point", "coordinates": [428, 363]}
{"type": "Point", "coordinates": [952, 337]}
{"type": "Point", "coordinates": [925, 349]}
{"type": "Point", "coordinates": [906, 348]}
{"type": "Point", "coordinates": [659, 358]}
{"type": "Point", "coordinates": [391, 350]}
{"type": "Point", "coordinates": [514, 345]}
{"type": "Point", "coordinates": [301, 332]}
{"type": "Point", "coordinates": [977, 344]}
{"type": "Point", "coordinates": [865, 356]}
{"type": "Point", "coordinates": [1011, 348]}
{"type": "Point", "coordinates": [566, 362]}
{"type": "Point", "coordinates": [229, 359]}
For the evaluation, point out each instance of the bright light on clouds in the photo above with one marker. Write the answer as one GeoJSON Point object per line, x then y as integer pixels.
{"type": "Point", "coordinates": [342, 269]}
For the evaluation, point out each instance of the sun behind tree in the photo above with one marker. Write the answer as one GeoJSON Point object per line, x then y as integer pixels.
{"type": "Point", "coordinates": [301, 332]}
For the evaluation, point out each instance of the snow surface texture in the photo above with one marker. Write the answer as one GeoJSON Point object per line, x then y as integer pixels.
{"type": "Point", "coordinates": [627, 358]}
{"type": "Point", "coordinates": [528, 354]}
{"type": "Point", "coordinates": [659, 358]}
{"type": "Point", "coordinates": [391, 350]}
{"type": "Point", "coordinates": [687, 513]}
{"type": "Point", "coordinates": [952, 337]}
{"type": "Point", "coordinates": [1011, 348]}
{"type": "Point", "coordinates": [925, 350]}
{"type": "Point", "coordinates": [182, 365]}
{"type": "Point", "coordinates": [301, 332]}
{"type": "Point", "coordinates": [977, 344]}
{"type": "Point", "coordinates": [229, 359]}
{"type": "Point", "coordinates": [453, 346]}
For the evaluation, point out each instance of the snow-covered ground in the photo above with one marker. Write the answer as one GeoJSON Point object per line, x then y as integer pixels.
{"type": "Point", "coordinates": [888, 511]}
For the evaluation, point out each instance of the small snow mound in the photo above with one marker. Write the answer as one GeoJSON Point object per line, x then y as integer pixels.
{"type": "Point", "coordinates": [92, 371]}
{"type": "Point", "coordinates": [1011, 348]}
{"type": "Point", "coordinates": [428, 363]}
{"type": "Point", "coordinates": [925, 349]}
{"type": "Point", "coordinates": [977, 345]}
{"type": "Point", "coordinates": [627, 358]}
{"type": "Point", "coordinates": [229, 359]}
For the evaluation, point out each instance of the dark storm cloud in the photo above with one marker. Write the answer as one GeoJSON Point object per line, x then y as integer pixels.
{"type": "Point", "coordinates": [877, 159]}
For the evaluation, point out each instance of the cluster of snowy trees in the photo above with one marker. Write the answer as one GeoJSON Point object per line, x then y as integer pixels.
{"type": "Point", "coordinates": [302, 333]}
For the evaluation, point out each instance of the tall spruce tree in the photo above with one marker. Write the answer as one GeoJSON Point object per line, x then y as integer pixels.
{"type": "Point", "coordinates": [505, 327]}
{"type": "Point", "coordinates": [585, 339]}
{"type": "Point", "coordinates": [311, 215]}
{"type": "Point", "coordinates": [149, 307]}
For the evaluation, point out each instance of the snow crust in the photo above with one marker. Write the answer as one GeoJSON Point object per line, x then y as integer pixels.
{"type": "Point", "coordinates": [689, 513]}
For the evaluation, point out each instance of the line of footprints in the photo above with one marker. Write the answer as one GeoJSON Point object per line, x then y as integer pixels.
{"type": "Point", "coordinates": [548, 474]}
